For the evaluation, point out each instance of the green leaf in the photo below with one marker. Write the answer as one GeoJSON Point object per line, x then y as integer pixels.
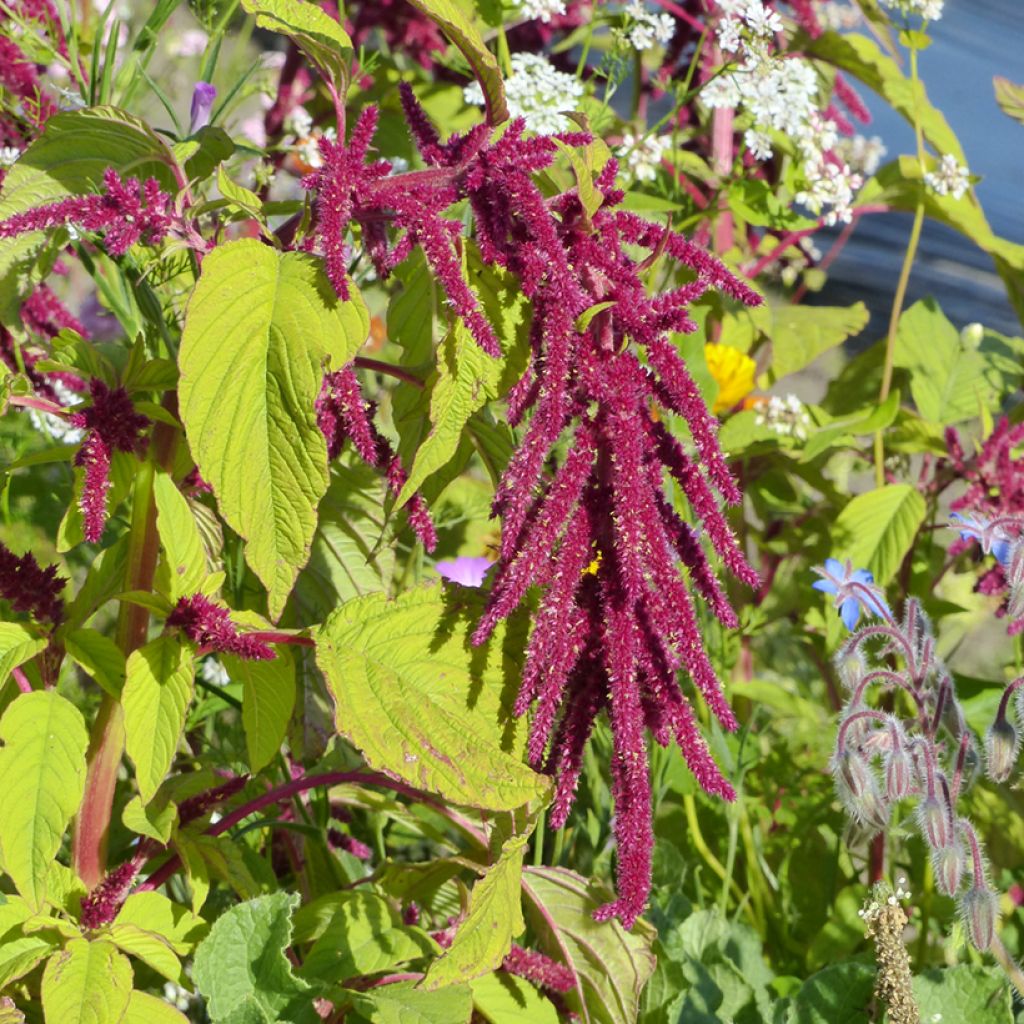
{"type": "Point", "coordinates": [243, 957]}
{"type": "Point", "coordinates": [157, 693]}
{"type": "Point", "coordinates": [362, 936]}
{"type": "Point", "coordinates": [453, 22]}
{"type": "Point", "coordinates": [19, 952]}
{"type": "Point", "coordinates": [495, 918]}
{"type": "Point", "coordinates": [150, 948]}
{"type": "Point", "coordinates": [612, 965]}
{"type": "Point", "coordinates": [314, 31]}
{"type": "Point", "coordinates": [840, 994]}
{"type": "Point", "coordinates": [864, 421]}
{"type": "Point", "coordinates": [99, 656]}
{"type": "Point", "coordinates": [18, 644]}
{"type": "Point", "coordinates": [1010, 97]}
{"type": "Point", "coordinates": [403, 1004]}
{"type": "Point", "coordinates": [966, 992]}
{"type": "Point", "coordinates": [504, 999]}
{"type": "Point", "coordinates": [949, 381]}
{"type": "Point", "coordinates": [258, 329]}
{"type": "Point", "coordinates": [42, 778]}
{"type": "Point", "coordinates": [245, 199]}
{"type": "Point", "coordinates": [147, 1009]}
{"type": "Point", "coordinates": [422, 704]}
{"type": "Point", "coordinates": [184, 558]}
{"type": "Point", "coordinates": [267, 702]}
{"type": "Point", "coordinates": [154, 912]}
{"type": "Point", "coordinates": [800, 334]}
{"type": "Point", "coordinates": [86, 983]}
{"type": "Point", "coordinates": [757, 204]}
{"type": "Point", "coordinates": [876, 529]}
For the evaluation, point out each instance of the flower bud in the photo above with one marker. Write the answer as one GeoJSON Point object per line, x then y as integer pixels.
{"type": "Point", "coordinates": [858, 790]}
{"type": "Point", "coordinates": [948, 864]}
{"type": "Point", "coordinates": [1001, 746]}
{"type": "Point", "coordinates": [898, 774]}
{"type": "Point", "coordinates": [1014, 570]}
{"type": "Point", "coordinates": [933, 821]}
{"type": "Point", "coordinates": [979, 907]}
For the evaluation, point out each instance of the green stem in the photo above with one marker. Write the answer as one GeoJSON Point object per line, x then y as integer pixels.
{"type": "Point", "coordinates": [1008, 964]}
{"type": "Point", "coordinates": [106, 744]}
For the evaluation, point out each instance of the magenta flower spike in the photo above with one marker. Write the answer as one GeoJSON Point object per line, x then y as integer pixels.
{"type": "Point", "coordinates": [209, 626]}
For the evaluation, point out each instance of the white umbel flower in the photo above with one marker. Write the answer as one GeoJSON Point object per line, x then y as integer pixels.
{"type": "Point", "coordinates": [930, 10]}
{"type": "Point", "coordinates": [541, 10]}
{"type": "Point", "coordinates": [535, 91]}
{"type": "Point", "coordinates": [56, 426]}
{"type": "Point", "coordinates": [643, 155]}
{"type": "Point", "coordinates": [786, 416]}
{"type": "Point", "coordinates": [949, 178]}
{"type": "Point", "coordinates": [8, 154]}
{"type": "Point", "coordinates": [648, 28]}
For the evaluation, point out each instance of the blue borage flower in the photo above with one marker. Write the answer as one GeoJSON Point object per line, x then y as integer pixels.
{"type": "Point", "coordinates": [991, 534]}
{"type": "Point", "coordinates": [853, 589]}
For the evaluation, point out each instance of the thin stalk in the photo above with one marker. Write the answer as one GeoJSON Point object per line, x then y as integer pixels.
{"type": "Point", "coordinates": [1008, 964]}
{"type": "Point", "coordinates": [690, 807]}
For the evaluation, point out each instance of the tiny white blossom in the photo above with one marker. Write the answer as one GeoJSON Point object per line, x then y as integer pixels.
{"type": "Point", "coordinates": [299, 123]}
{"type": "Point", "coordinates": [838, 16]}
{"type": "Point", "coordinates": [949, 178]}
{"type": "Point", "coordinates": [648, 28]}
{"type": "Point", "coordinates": [541, 10]}
{"type": "Point", "coordinates": [862, 154]}
{"type": "Point", "coordinates": [56, 426]}
{"type": "Point", "coordinates": [762, 20]}
{"type": "Point", "coordinates": [759, 145]}
{"type": "Point", "coordinates": [787, 417]}
{"type": "Point", "coordinates": [8, 154]}
{"type": "Point", "coordinates": [930, 10]}
{"type": "Point", "coordinates": [214, 672]}
{"type": "Point", "coordinates": [643, 155]}
{"type": "Point", "coordinates": [728, 32]}
{"type": "Point", "coordinates": [535, 91]}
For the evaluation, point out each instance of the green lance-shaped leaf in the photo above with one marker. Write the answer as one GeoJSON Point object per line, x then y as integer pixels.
{"type": "Point", "coordinates": [403, 1004]}
{"type": "Point", "coordinates": [146, 1009]}
{"type": "Point", "coordinates": [451, 19]}
{"type": "Point", "coordinates": [99, 656]}
{"type": "Point", "coordinates": [157, 693]}
{"type": "Point", "coordinates": [314, 31]}
{"type": "Point", "coordinates": [495, 918]}
{"type": "Point", "coordinates": [87, 983]}
{"type": "Point", "coordinates": [243, 959]}
{"type": "Point", "coordinates": [800, 334]}
{"type": "Point", "coordinates": [421, 703]}
{"type": "Point", "coordinates": [18, 644]}
{"type": "Point", "coordinates": [267, 703]}
{"type": "Point", "coordinates": [42, 778]}
{"type": "Point", "coordinates": [502, 998]}
{"type": "Point", "coordinates": [258, 329]}
{"type": "Point", "coordinates": [184, 566]}
{"type": "Point", "coordinates": [612, 965]}
{"type": "Point", "coordinates": [876, 529]}
{"type": "Point", "coordinates": [1010, 97]}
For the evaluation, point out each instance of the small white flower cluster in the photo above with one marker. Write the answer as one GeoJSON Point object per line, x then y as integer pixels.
{"type": "Point", "coordinates": [786, 416]}
{"type": "Point", "coordinates": [838, 16]}
{"type": "Point", "coordinates": [8, 154]}
{"type": "Point", "coordinates": [213, 672]}
{"type": "Point", "coordinates": [535, 91]}
{"type": "Point", "coordinates": [541, 10]}
{"type": "Point", "coordinates": [191, 43]}
{"type": "Point", "coordinates": [781, 95]}
{"type": "Point", "coordinates": [177, 996]}
{"type": "Point", "coordinates": [871, 910]}
{"type": "Point", "coordinates": [949, 178]}
{"type": "Point", "coordinates": [304, 138]}
{"type": "Point", "coordinates": [647, 29]}
{"type": "Point", "coordinates": [862, 154]}
{"type": "Point", "coordinates": [643, 154]}
{"type": "Point", "coordinates": [930, 10]}
{"type": "Point", "coordinates": [56, 426]}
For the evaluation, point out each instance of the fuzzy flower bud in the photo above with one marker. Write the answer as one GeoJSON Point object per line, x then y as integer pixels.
{"type": "Point", "coordinates": [1002, 744]}
{"type": "Point", "coordinates": [899, 773]}
{"type": "Point", "coordinates": [948, 864]}
{"type": "Point", "coordinates": [934, 822]}
{"type": "Point", "coordinates": [858, 789]}
{"type": "Point", "coordinates": [979, 907]}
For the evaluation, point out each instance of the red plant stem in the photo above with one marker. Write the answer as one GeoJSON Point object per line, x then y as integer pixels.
{"type": "Point", "coordinates": [22, 680]}
{"type": "Point", "coordinates": [683, 15]}
{"type": "Point", "coordinates": [40, 404]}
{"type": "Point", "coordinates": [721, 153]}
{"type": "Point", "coordinates": [389, 370]}
{"type": "Point", "coordinates": [791, 239]}
{"type": "Point", "coordinates": [290, 789]}
{"type": "Point", "coordinates": [106, 745]}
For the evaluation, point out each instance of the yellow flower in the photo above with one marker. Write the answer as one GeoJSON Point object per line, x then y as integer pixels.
{"type": "Point", "coordinates": [734, 372]}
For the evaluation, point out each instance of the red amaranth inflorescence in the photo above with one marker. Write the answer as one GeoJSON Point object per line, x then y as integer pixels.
{"type": "Point", "coordinates": [100, 907]}
{"type": "Point", "coordinates": [127, 212]}
{"type": "Point", "coordinates": [209, 625]}
{"type": "Point", "coordinates": [112, 425]}
{"type": "Point", "coordinates": [30, 588]}
{"type": "Point", "coordinates": [614, 636]}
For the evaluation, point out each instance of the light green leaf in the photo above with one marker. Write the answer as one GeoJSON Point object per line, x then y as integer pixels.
{"type": "Point", "coordinates": [244, 957]}
{"type": "Point", "coordinates": [222, 858]}
{"type": "Point", "coordinates": [1010, 97]}
{"type": "Point", "coordinates": [362, 936]}
{"type": "Point", "coordinates": [800, 334]}
{"type": "Point", "coordinates": [966, 992]}
{"type": "Point", "coordinates": [151, 820]}
{"type": "Point", "coordinates": [612, 965]}
{"type": "Point", "coordinates": [239, 196]}
{"type": "Point", "coordinates": [19, 952]}
{"type": "Point", "coordinates": [266, 703]}
{"type": "Point", "coordinates": [157, 693]}
{"type": "Point", "coordinates": [150, 948]}
{"type": "Point", "coordinates": [18, 644]}
{"type": "Point", "coordinates": [864, 421]}
{"type": "Point", "coordinates": [403, 1004]}
{"type": "Point", "coordinates": [86, 983]}
{"type": "Point", "coordinates": [154, 912]}
{"type": "Point", "coordinates": [495, 918]}
{"type": "Point", "coordinates": [420, 703]}
{"type": "Point", "coordinates": [99, 656]}
{"type": "Point", "coordinates": [452, 21]}
{"type": "Point", "coordinates": [840, 994]}
{"type": "Point", "coordinates": [314, 31]}
{"type": "Point", "coordinates": [504, 999]}
{"type": "Point", "coordinates": [876, 529]}
{"type": "Point", "coordinates": [146, 1009]}
{"type": "Point", "coordinates": [184, 559]}
{"type": "Point", "coordinates": [42, 778]}
{"type": "Point", "coordinates": [258, 329]}
{"type": "Point", "coordinates": [949, 381]}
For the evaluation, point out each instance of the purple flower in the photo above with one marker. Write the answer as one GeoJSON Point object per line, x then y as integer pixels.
{"type": "Point", "coordinates": [209, 625]}
{"type": "Point", "coordinates": [468, 570]}
{"type": "Point", "coordinates": [31, 588]}
{"type": "Point", "coordinates": [853, 589]}
{"type": "Point", "coordinates": [202, 103]}
{"type": "Point", "coordinates": [989, 533]}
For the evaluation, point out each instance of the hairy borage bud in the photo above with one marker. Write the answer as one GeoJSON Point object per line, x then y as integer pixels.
{"type": "Point", "coordinates": [979, 907]}
{"type": "Point", "coordinates": [1002, 744]}
{"type": "Point", "coordinates": [948, 864]}
{"type": "Point", "coordinates": [934, 822]}
{"type": "Point", "coordinates": [899, 773]}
